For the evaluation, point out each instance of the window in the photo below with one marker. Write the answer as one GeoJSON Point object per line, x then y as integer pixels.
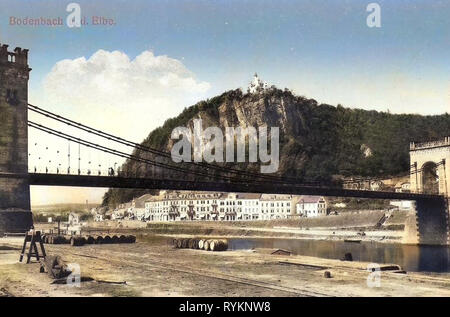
{"type": "Point", "coordinates": [11, 96]}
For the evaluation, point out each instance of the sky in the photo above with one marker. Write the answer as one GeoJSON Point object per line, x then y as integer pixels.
{"type": "Point", "coordinates": [161, 56]}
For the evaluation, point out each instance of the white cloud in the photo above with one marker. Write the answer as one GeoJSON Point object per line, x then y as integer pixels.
{"type": "Point", "coordinates": [111, 92]}
{"type": "Point", "coordinates": [139, 94]}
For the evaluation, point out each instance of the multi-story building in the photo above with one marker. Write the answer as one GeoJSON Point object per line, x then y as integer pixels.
{"type": "Point", "coordinates": [213, 206]}
{"type": "Point", "coordinates": [248, 206]}
{"type": "Point", "coordinates": [137, 207]}
{"type": "Point", "coordinates": [274, 206]}
{"type": "Point", "coordinates": [183, 206]}
{"type": "Point", "coordinates": [311, 206]}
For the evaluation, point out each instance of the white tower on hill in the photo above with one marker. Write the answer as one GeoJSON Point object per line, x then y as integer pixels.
{"type": "Point", "coordinates": [257, 85]}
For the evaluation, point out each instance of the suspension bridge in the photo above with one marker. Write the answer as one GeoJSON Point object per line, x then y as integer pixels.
{"type": "Point", "coordinates": [204, 176]}
{"type": "Point", "coordinates": [159, 170]}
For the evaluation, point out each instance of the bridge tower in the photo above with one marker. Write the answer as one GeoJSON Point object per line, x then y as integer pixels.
{"type": "Point", "coordinates": [430, 174]}
{"type": "Point", "coordinates": [15, 211]}
{"type": "Point", "coordinates": [431, 160]}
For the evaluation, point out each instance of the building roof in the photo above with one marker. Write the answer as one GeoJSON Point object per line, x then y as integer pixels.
{"type": "Point", "coordinates": [275, 197]}
{"type": "Point", "coordinates": [400, 184]}
{"type": "Point", "coordinates": [139, 202]}
{"type": "Point", "coordinates": [248, 196]}
{"type": "Point", "coordinates": [309, 199]}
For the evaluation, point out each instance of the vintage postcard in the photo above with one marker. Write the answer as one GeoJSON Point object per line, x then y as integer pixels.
{"type": "Point", "coordinates": [226, 149]}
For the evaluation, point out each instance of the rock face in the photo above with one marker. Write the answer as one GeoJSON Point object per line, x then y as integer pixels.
{"type": "Point", "coordinates": [317, 141]}
{"type": "Point", "coordinates": [271, 108]}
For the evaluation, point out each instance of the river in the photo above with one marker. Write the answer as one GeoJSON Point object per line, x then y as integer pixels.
{"type": "Point", "coordinates": [410, 257]}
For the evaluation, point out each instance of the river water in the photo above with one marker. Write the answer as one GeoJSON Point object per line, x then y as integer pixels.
{"type": "Point", "coordinates": [410, 257]}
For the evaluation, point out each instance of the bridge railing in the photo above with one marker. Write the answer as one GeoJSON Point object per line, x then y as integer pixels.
{"type": "Point", "coordinates": [73, 171]}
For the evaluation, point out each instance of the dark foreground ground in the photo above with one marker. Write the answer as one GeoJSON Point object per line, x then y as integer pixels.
{"type": "Point", "coordinates": [151, 267]}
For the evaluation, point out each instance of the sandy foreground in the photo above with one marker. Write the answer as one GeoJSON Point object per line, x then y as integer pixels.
{"type": "Point", "coordinates": [154, 268]}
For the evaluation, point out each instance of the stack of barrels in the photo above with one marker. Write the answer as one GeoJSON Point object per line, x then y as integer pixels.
{"type": "Point", "coordinates": [55, 239]}
{"type": "Point", "coordinates": [201, 244]}
{"type": "Point", "coordinates": [90, 239]}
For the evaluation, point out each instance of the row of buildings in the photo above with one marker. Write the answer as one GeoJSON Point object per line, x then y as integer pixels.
{"type": "Point", "coordinates": [213, 206]}
{"type": "Point", "coordinates": [400, 184]}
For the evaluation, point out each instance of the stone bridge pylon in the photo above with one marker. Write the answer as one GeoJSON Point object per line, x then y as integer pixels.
{"type": "Point", "coordinates": [15, 211]}
{"type": "Point", "coordinates": [430, 174]}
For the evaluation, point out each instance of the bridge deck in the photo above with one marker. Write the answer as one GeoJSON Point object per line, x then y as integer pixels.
{"type": "Point", "coordinates": [169, 184]}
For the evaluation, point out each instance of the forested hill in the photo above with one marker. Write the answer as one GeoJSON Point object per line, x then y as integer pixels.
{"type": "Point", "coordinates": [317, 141]}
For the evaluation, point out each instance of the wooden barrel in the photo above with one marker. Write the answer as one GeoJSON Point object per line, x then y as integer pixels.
{"type": "Point", "coordinates": [174, 243]}
{"type": "Point", "coordinates": [90, 240]}
{"type": "Point", "coordinates": [218, 245]}
{"type": "Point", "coordinates": [59, 240]}
{"type": "Point", "coordinates": [213, 245]}
{"type": "Point", "coordinates": [201, 243]}
{"type": "Point", "coordinates": [106, 239]}
{"type": "Point", "coordinates": [77, 241]}
{"type": "Point", "coordinates": [98, 240]}
{"type": "Point", "coordinates": [131, 239]}
{"type": "Point", "coordinates": [195, 243]}
{"type": "Point", "coordinates": [190, 243]}
{"type": "Point", "coordinates": [122, 239]}
{"type": "Point", "coordinates": [185, 243]}
{"type": "Point", "coordinates": [224, 245]}
{"type": "Point", "coordinates": [179, 243]}
{"type": "Point", "coordinates": [115, 239]}
{"type": "Point", "coordinates": [206, 245]}
{"type": "Point", "coordinates": [210, 242]}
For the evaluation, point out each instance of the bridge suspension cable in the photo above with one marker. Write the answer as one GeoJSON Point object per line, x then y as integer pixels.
{"type": "Point", "coordinates": [134, 145]}
{"type": "Point", "coordinates": [136, 158]}
{"type": "Point", "coordinates": [122, 141]}
{"type": "Point", "coordinates": [106, 149]}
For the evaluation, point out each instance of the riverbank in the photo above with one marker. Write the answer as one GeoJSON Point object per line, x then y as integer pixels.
{"type": "Point", "coordinates": [375, 225]}
{"type": "Point", "coordinates": [151, 267]}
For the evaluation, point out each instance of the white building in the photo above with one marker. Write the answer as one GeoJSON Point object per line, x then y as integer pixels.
{"type": "Point", "coordinates": [274, 206]}
{"type": "Point", "coordinates": [120, 212]}
{"type": "Point", "coordinates": [311, 206]}
{"type": "Point", "coordinates": [340, 205]}
{"type": "Point", "coordinates": [137, 208]}
{"type": "Point", "coordinates": [248, 206]}
{"type": "Point", "coordinates": [213, 206]}
{"type": "Point", "coordinates": [74, 219]}
{"type": "Point", "coordinates": [183, 206]}
{"type": "Point", "coordinates": [402, 204]}
{"type": "Point", "coordinates": [403, 187]}
{"type": "Point", "coordinates": [257, 85]}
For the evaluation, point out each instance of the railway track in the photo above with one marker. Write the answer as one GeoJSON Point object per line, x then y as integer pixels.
{"type": "Point", "coordinates": [164, 266]}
